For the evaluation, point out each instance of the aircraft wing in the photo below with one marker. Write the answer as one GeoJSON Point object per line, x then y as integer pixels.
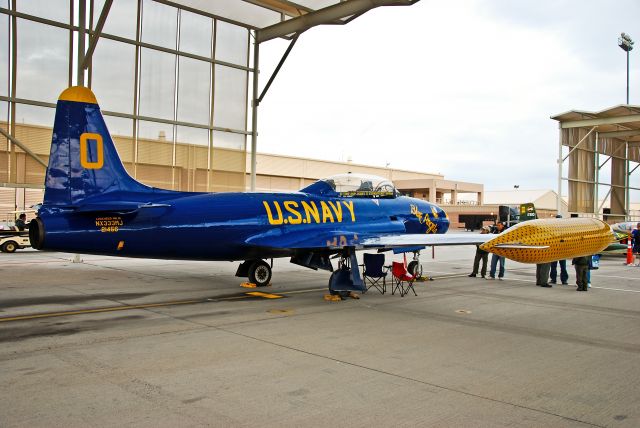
{"type": "Point", "coordinates": [337, 239]}
{"type": "Point", "coordinates": [413, 240]}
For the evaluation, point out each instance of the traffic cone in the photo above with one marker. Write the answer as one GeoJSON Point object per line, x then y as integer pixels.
{"type": "Point", "coordinates": [629, 252]}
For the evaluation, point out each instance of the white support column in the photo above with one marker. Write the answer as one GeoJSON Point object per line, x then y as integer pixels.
{"type": "Point", "coordinates": [627, 183]}
{"type": "Point", "coordinates": [254, 116]}
{"type": "Point", "coordinates": [82, 29]}
{"type": "Point", "coordinates": [559, 199]}
{"type": "Point", "coordinates": [596, 189]}
{"type": "Point", "coordinates": [432, 194]}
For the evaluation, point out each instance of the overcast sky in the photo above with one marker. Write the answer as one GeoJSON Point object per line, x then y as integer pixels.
{"type": "Point", "coordinates": [462, 88]}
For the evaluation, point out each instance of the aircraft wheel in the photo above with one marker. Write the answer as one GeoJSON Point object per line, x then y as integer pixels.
{"type": "Point", "coordinates": [9, 247]}
{"type": "Point", "coordinates": [260, 273]}
{"type": "Point", "coordinates": [414, 268]}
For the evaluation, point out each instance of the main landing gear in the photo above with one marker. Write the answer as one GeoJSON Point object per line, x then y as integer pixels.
{"type": "Point", "coordinates": [415, 267]}
{"type": "Point", "coordinates": [257, 271]}
{"type": "Point", "coordinates": [346, 279]}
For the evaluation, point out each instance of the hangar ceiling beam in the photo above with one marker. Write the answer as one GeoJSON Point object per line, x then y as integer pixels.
{"type": "Point", "coordinates": [23, 147]}
{"type": "Point", "coordinates": [278, 67]}
{"type": "Point", "coordinates": [82, 31]}
{"type": "Point", "coordinates": [96, 34]}
{"type": "Point", "coordinates": [600, 121]}
{"type": "Point", "coordinates": [618, 134]}
{"type": "Point", "coordinates": [283, 6]}
{"type": "Point", "coordinates": [328, 15]}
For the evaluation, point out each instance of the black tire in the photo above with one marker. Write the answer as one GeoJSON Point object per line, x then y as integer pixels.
{"type": "Point", "coordinates": [414, 268]}
{"type": "Point", "coordinates": [9, 247]}
{"type": "Point", "coordinates": [260, 273]}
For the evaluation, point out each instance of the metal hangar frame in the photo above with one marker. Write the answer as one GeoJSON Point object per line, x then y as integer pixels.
{"type": "Point", "coordinates": [595, 142]}
{"type": "Point", "coordinates": [156, 42]}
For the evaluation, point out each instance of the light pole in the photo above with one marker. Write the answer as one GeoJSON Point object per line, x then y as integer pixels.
{"type": "Point", "coordinates": [626, 44]}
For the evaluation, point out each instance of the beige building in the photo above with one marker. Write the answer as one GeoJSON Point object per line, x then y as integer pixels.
{"type": "Point", "coordinates": [190, 167]}
{"type": "Point", "coordinates": [181, 166]}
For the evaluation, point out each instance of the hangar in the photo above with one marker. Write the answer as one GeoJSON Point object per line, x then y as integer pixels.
{"type": "Point", "coordinates": [176, 80]}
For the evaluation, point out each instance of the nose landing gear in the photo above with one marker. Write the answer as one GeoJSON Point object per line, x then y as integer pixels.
{"type": "Point", "coordinates": [415, 267]}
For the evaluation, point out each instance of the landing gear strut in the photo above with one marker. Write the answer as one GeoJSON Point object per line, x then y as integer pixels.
{"type": "Point", "coordinates": [346, 279]}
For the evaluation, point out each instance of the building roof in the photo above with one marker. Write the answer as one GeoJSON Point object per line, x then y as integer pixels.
{"type": "Point", "coordinates": [543, 198]}
{"type": "Point", "coordinates": [621, 121]}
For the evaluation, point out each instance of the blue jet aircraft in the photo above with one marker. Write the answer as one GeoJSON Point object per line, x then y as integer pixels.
{"type": "Point", "coordinates": [91, 205]}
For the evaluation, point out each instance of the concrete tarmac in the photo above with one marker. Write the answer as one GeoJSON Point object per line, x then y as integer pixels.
{"type": "Point", "coordinates": [153, 343]}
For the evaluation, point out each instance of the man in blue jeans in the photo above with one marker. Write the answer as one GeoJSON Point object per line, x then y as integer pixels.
{"type": "Point", "coordinates": [495, 258]}
{"type": "Point", "coordinates": [564, 275]}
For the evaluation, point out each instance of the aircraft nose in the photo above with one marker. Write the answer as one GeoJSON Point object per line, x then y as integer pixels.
{"type": "Point", "coordinates": [487, 246]}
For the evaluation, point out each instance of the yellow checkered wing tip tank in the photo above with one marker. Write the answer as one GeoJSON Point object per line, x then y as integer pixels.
{"type": "Point", "coordinates": [547, 240]}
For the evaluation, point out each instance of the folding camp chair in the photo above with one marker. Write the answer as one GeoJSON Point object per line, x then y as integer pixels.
{"type": "Point", "coordinates": [402, 281]}
{"type": "Point", "coordinates": [374, 272]}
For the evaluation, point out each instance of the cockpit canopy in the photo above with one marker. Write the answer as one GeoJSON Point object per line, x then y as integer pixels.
{"type": "Point", "coordinates": [352, 185]}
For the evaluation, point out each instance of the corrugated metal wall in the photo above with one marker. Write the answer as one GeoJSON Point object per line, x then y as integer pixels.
{"type": "Point", "coordinates": [581, 169]}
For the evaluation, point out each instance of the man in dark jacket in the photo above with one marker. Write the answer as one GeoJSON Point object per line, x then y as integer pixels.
{"type": "Point", "coordinates": [21, 222]}
{"type": "Point", "coordinates": [480, 255]}
{"type": "Point", "coordinates": [582, 266]}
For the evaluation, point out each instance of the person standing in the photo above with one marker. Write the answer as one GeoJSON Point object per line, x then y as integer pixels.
{"type": "Point", "coordinates": [542, 275]}
{"type": "Point", "coordinates": [480, 255]}
{"type": "Point", "coordinates": [495, 258]}
{"type": "Point", "coordinates": [582, 266]}
{"type": "Point", "coordinates": [564, 275]}
{"type": "Point", "coordinates": [635, 243]}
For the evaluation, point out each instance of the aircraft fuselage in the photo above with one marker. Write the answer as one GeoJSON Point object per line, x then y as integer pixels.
{"type": "Point", "coordinates": [205, 226]}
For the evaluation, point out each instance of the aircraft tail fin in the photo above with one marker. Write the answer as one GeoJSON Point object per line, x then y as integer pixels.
{"type": "Point", "coordinates": [83, 161]}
